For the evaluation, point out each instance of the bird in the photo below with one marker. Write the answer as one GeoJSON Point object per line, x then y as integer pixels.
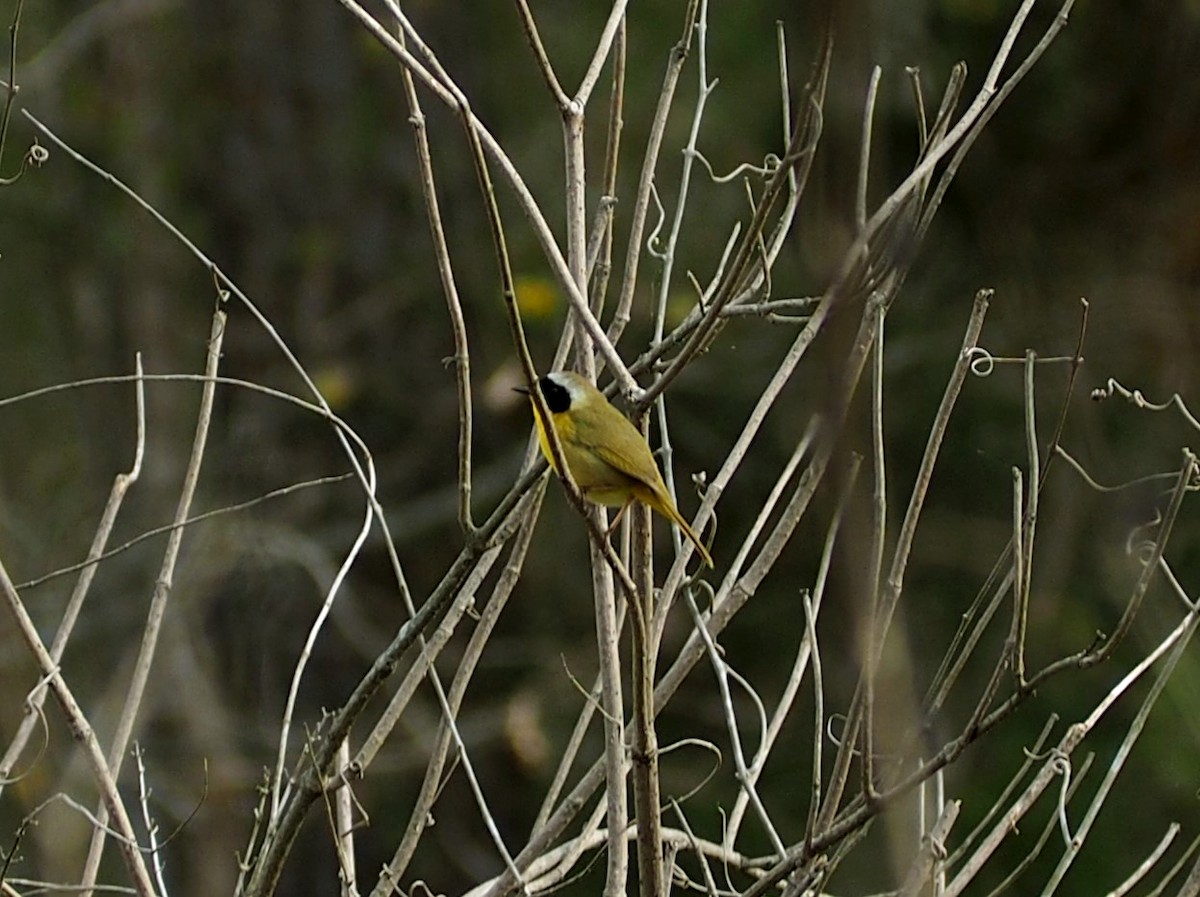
{"type": "Point", "coordinates": [609, 459]}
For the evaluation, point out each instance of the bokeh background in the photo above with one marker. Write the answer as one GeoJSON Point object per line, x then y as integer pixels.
{"type": "Point", "coordinates": [276, 137]}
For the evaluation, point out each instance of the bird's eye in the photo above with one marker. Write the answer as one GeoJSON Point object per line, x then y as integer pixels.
{"type": "Point", "coordinates": [558, 399]}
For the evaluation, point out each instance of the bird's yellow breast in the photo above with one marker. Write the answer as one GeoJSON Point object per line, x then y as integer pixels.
{"type": "Point", "coordinates": [598, 479]}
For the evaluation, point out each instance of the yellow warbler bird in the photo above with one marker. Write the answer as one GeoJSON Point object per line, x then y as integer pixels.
{"type": "Point", "coordinates": [609, 459]}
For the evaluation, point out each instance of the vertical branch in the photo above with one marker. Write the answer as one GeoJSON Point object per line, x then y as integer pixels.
{"type": "Point", "coordinates": [644, 752]}
{"type": "Point", "coordinates": [607, 637]}
{"type": "Point", "coordinates": [602, 582]}
{"type": "Point", "coordinates": [162, 587]}
{"type": "Point", "coordinates": [441, 250]}
{"type": "Point", "coordinates": [603, 591]}
{"type": "Point", "coordinates": [790, 175]}
{"type": "Point", "coordinates": [1029, 522]}
{"type": "Point", "coordinates": [818, 731]}
{"type": "Point", "coordinates": [878, 537]}
{"type": "Point", "coordinates": [932, 853]}
{"type": "Point", "coordinates": [154, 849]}
{"type": "Point", "coordinates": [448, 93]}
{"type": "Point", "coordinates": [808, 649]}
{"type": "Point", "coordinates": [1024, 523]}
{"type": "Point", "coordinates": [116, 496]}
{"type": "Point", "coordinates": [1015, 649]}
{"type": "Point", "coordinates": [864, 162]}
{"type": "Point", "coordinates": [914, 79]}
{"type": "Point", "coordinates": [908, 528]}
{"type": "Point", "coordinates": [576, 215]}
{"type": "Point", "coordinates": [641, 203]}
{"type": "Point", "coordinates": [10, 88]}
{"type": "Point", "coordinates": [690, 152]}
{"type": "Point", "coordinates": [601, 242]}
{"type": "Point", "coordinates": [343, 829]}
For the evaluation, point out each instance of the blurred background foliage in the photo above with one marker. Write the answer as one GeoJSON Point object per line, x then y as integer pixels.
{"type": "Point", "coordinates": [276, 137]}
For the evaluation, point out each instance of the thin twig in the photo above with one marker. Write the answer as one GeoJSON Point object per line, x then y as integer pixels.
{"type": "Point", "coordinates": [790, 176]}
{"type": "Point", "coordinates": [864, 162]}
{"type": "Point", "coordinates": [904, 540]}
{"type": "Point", "coordinates": [616, 16]}
{"type": "Point", "coordinates": [92, 562]}
{"type": "Point", "coordinates": [600, 244]}
{"type": "Point", "coordinates": [1070, 740]}
{"type": "Point", "coordinates": [83, 734]}
{"type": "Point", "coordinates": [644, 755]}
{"type": "Point", "coordinates": [162, 587]}
{"type": "Point", "coordinates": [704, 89]}
{"type": "Point", "coordinates": [878, 541]}
{"type": "Point", "coordinates": [1029, 519]}
{"type": "Point", "coordinates": [1014, 650]}
{"type": "Point", "coordinates": [1186, 474]}
{"type": "Point", "coordinates": [154, 848]}
{"type": "Point", "coordinates": [10, 89]}
{"type": "Point", "coordinates": [389, 878]}
{"type": "Point", "coordinates": [529, 26]}
{"type": "Point", "coordinates": [808, 649]}
{"type": "Point", "coordinates": [1177, 641]}
{"type": "Point", "coordinates": [1147, 864]}
{"type": "Point", "coordinates": [121, 484]}
{"type": "Point", "coordinates": [641, 203]}
{"type": "Point", "coordinates": [1051, 825]}
{"type": "Point", "coordinates": [343, 830]}
{"type": "Point", "coordinates": [745, 779]}
{"type": "Point", "coordinates": [458, 326]}
{"type": "Point", "coordinates": [448, 93]}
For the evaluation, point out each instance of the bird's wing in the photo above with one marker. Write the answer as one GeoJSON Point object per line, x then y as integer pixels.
{"type": "Point", "coordinates": [641, 468]}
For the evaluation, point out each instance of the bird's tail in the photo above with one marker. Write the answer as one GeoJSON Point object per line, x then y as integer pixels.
{"type": "Point", "coordinates": [674, 514]}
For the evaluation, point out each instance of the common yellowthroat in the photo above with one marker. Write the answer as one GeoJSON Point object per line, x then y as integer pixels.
{"type": "Point", "coordinates": [609, 459]}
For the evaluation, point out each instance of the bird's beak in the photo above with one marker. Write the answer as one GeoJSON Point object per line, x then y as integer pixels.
{"type": "Point", "coordinates": [521, 389]}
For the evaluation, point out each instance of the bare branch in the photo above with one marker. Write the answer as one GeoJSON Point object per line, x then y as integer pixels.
{"type": "Point", "coordinates": [162, 587]}
{"type": "Point", "coordinates": [82, 732]}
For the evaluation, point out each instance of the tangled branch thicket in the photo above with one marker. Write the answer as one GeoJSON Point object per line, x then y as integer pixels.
{"type": "Point", "coordinates": [685, 768]}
